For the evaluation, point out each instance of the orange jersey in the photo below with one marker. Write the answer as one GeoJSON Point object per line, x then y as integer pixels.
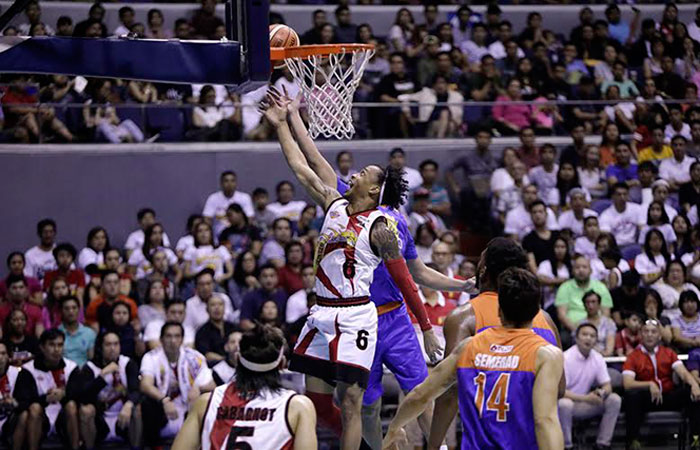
{"type": "Point", "coordinates": [495, 380]}
{"type": "Point", "coordinates": [485, 307]}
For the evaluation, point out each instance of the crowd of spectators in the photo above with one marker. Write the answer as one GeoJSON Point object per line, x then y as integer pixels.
{"type": "Point", "coordinates": [622, 73]}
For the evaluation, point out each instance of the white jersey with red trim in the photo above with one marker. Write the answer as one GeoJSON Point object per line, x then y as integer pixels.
{"type": "Point", "coordinates": [7, 389]}
{"type": "Point", "coordinates": [344, 261]}
{"type": "Point", "coordinates": [258, 423]}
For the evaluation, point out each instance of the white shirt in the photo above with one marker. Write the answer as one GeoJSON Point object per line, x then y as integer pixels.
{"type": "Point", "coordinates": [665, 229]}
{"type": "Point", "coordinates": [271, 249]}
{"type": "Point", "coordinates": [694, 31]}
{"type": "Point", "coordinates": [501, 180]}
{"type": "Point", "coordinates": [413, 177]}
{"type": "Point", "coordinates": [196, 313]}
{"type": "Point", "coordinates": [567, 219]}
{"type": "Point", "coordinates": [545, 181]}
{"type": "Point", "coordinates": [669, 132]}
{"type": "Point", "coordinates": [152, 332]}
{"type": "Point", "coordinates": [473, 51]}
{"type": "Point", "coordinates": [184, 243]}
{"type": "Point", "coordinates": [600, 272]}
{"type": "Point", "coordinates": [670, 211]}
{"type": "Point", "coordinates": [624, 225]}
{"type": "Point", "coordinates": [250, 114]}
{"type": "Point", "coordinates": [549, 292]}
{"type": "Point", "coordinates": [206, 256]}
{"type": "Point", "coordinates": [585, 247]}
{"type": "Point", "coordinates": [296, 306]}
{"type": "Point", "coordinates": [291, 210]}
{"type": "Point", "coordinates": [217, 203]}
{"type": "Point", "coordinates": [646, 266]}
{"type": "Point", "coordinates": [137, 238]}
{"type": "Point", "coordinates": [38, 262]}
{"type": "Point", "coordinates": [415, 220]}
{"type": "Point", "coordinates": [583, 373]}
{"type": "Point", "coordinates": [89, 256]}
{"type": "Point", "coordinates": [143, 265]}
{"type": "Point", "coordinates": [678, 172]}
{"type": "Point", "coordinates": [121, 30]}
{"type": "Point", "coordinates": [498, 51]}
{"type": "Point", "coordinates": [518, 221]}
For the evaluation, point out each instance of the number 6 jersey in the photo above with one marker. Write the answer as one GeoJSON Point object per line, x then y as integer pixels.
{"type": "Point", "coordinates": [495, 379]}
{"type": "Point", "coordinates": [234, 422]}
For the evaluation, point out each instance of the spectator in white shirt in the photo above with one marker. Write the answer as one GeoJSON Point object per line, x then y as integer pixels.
{"type": "Point", "coordinates": [676, 170]}
{"type": "Point", "coordinates": [343, 164]}
{"type": "Point", "coordinates": [187, 240]}
{"type": "Point", "coordinates": [588, 389]}
{"type": "Point", "coordinates": [39, 259]}
{"type": "Point", "coordinates": [93, 253]}
{"type": "Point", "coordinates": [657, 219]}
{"type": "Point", "coordinates": [622, 218]}
{"type": "Point", "coordinates": [33, 13]}
{"type": "Point", "coordinates": [572, 219]}
{"type": "Point", "coordinates": [126, 21]}
{"type": "Point", "coordinates": [146, 217]}
{"type": "Point", "coordinates": [694, 27]}
{"type": "Point", "coordinates": [505, 34]}
{"type": "Point", "coordinates": [586, 244]}
{"type": "Point", "coordinates": [205, 255]}
{"type": "Point", "coordinates": [660, 193]}
{"type": "Point", "coordinates": [196, 313]}
{"type": "Point", "coordinates": [397, 159]}
{"type": "Point", "coordinates": [174, 312]}
{"type": "Point", "coordinates": [298, 303]}
{"type": "Point", "coordinates": [651, 263]}
{"type": "Point", "coordinates": [140, 262]}
{"type": "Point", "coordinates": [544, 175]}
{"type": "Point", "coordinates": [475, 48]}
{"type": "Point", "coordinates": [518, 222]}
{"type": "Point", "coordinates": [420, 213]}
{"type": "Point", "coordinates": [216, 204]}
{"type": "Point", "coordinates": [212, 120]}
{"type": "Point", "coordinates": [676, 126]}
{"type": "Point", "coordinates": [273, 249]}
{"type": "Point", "coordinates": [286, 206]}
{"type": "Point", "coordinates": [263, 217]}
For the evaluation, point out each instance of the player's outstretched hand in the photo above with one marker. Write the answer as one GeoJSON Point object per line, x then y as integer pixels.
{"type": "Point", "coordinates": [293, 104]}
{"type": "Point", "coordinates": [432, 346]}
{"type": "Point", "coordinates": [273, 108]}
{"type": "Point", "coordinates": [470, 286]}
{"type": "Point", "coordinates": [394, 438]}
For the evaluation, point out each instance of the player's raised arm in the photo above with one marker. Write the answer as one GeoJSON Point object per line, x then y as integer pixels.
{"type": "Point", "coordinates": [440, 380]}
{"type": "Point", "coordinates": [188, 438]}
{"type": "Point", "coordinates": [314, 158]}
{"type": "Point", "coordinates": [550, 366]}
{"type": "Point", "coordinates": [276, 113]}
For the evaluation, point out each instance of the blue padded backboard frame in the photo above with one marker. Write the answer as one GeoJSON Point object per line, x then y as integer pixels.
{"type": "Point", "coordinates": [243, 60]}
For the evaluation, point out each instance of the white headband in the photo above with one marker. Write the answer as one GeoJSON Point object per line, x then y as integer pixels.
{"type": "Point", "coordinates": [258, 367]}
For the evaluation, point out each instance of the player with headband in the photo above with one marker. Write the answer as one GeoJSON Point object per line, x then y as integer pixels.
{"type": "Point", "coordinates": [397, 345]}
{"type": "Point", "coordinates": [337, 344]}
{"type": "Point", "coordinates": [252, 411]}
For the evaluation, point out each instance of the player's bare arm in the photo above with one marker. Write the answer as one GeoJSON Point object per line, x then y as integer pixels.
{"type": "Point", "coordinates": [549, 369]}
{"type": "Point", "coordinates": [313, 156]}
{"type": "Point", "coordinates": [188, 438]}
{"type": "Point", "coordinates": [459, 325]}
{"type": "Point", "coordinates": [425, 276]}
{"type": "Point", "coordinates": [276, 113]}
{"type": "Point", "coordinates": [386, 245]}
{"type": "Point", "coordinates": [440, 380]}
{"type": "Point", "coordinates": [301, 417]}
{"type": "Point", "coordinates": [553, 327]}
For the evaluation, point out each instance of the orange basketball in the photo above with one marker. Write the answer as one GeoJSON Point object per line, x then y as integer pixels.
{"type": "Point", "coordinates": [283, 36]}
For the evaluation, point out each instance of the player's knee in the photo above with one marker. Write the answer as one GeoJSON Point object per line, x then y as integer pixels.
{"type": "Point", "coordinates": [36, 411]}
{"type": "Point", "coordinates": [70, 408]}
{"type": "Point", "coordinates": [566, 406]}
{"type": "Point", "coordinates": [87, 412]}
{"type": "Point", "coordinates": [352, 399]}
{"type": "Point", "coordinates": [613, 401]}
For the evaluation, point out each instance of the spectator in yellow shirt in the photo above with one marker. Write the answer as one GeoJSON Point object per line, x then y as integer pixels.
{"type": "Point", "coordinates": [658, 150]}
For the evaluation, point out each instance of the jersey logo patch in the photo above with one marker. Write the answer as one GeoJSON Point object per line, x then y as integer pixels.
{"type": "Point", "coordinates": [495, 348]}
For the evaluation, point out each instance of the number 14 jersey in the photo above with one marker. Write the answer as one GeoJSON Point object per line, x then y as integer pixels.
{"type": "Point", "coordinates": [495, 378]}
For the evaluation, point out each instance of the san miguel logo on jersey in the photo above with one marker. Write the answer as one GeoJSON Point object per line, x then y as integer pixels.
{"type": "Point", "coordinates": [333, 240]}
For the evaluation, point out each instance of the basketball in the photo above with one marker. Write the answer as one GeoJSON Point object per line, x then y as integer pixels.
{"type": "Point", "coordinates": [283, 36]}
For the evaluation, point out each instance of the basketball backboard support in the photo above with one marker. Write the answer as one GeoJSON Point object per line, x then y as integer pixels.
{"type": "Point", "coordinates": [243, 60]}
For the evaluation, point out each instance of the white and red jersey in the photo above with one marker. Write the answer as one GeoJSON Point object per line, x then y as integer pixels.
{"type": "Point", "coordinates": [7, 389]}
{"type": "Point", "coordinates": [258, 423]}
{"type": "Point", "coordinates": [344, 261]}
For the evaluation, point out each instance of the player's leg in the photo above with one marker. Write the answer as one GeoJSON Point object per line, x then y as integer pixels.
{"type": "Point", "coordinates": [321, 395]}
{"type": "Point", "coordinates": [351, 413]}
{"type": "Point", "coordinates": [88, 426]}
{"type": "Point", "coordinates": [372, 400]}
{"type": "Point", "coordinates": [372, 423]}
{"type": "Point", "coordinates": [35, 426]}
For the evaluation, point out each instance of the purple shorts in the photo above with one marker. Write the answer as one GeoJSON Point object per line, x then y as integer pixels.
{"type": "Point", "coordinates": [399, 350]}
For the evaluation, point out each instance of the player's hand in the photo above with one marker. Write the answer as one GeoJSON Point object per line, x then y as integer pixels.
{"type": "Point", "coordinates": [170, 410]}
{"type": "Point", "coordinates": [470, 286]}
{"type": "Point", "coordinates": [293, 104]}
{"type": "Point", "coordinates": [656, 396]}
{"type": "Point", "coordinates": [432, 346]}
{"type": "Point", "coordinates": [394, 437]}
{"type": "Point", "coordinates": [273, 108]}
{"type": "Point", "coordinates": [695, 392]}
{"type": "Point", "coordinates": [593, 398]}
{"type": "Point", "coordinates": [124, 417]}
{"type": "Point", "coordinates": [109, 368]}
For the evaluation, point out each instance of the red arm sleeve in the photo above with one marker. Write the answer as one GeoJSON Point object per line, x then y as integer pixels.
{"type": "Point", "coordinates": [398, 270]}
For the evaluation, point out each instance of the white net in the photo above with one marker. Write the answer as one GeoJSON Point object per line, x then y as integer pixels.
{"type": "Point", "coordinates": [328, 83]}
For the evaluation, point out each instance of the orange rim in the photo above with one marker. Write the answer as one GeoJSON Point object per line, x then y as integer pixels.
{"type": "Point", "coordinates": [304, 51]}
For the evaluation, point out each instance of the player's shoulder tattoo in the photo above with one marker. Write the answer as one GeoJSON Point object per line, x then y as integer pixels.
{"type": "Point", "coordinates": [384, 240]}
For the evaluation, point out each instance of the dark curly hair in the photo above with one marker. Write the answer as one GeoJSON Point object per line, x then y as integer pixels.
{"type": "Point", "coordinates": [502, 253]}
{"type": "Point", "coordinates": [395, 187]}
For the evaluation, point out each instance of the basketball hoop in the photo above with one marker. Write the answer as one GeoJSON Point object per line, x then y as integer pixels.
{"type": "Point", "coordinates": [328, 76]}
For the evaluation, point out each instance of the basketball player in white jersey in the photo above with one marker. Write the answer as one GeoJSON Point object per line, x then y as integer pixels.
{"type": "Point", "coordinates": [337, 344]}
{"type": "Point", "coordinates": [8, 381]}
{"type": "Point", "coordinates": [225, 370]}
{"type": "Point", "coordinates": [110, 384]}
{"type": "Point", "coordinates": [47, 392]}
{"type": "Point", "coordinates": [253, 411]}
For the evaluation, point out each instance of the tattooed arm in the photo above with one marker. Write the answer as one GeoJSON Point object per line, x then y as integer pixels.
{"type": "Point", "coordinates": [384, 241]}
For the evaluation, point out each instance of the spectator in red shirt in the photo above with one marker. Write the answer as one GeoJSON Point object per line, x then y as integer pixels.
{"type": "Point", "coordinates": [64, 254]}
{"type": "Point", "coordinates": [16, 263]}
{"type": "Point", "coordinates": [290, 278]}
{"type": "Point", "coordinates": [647, 377]}
{"type": "Point", "coordinates": [18, 298]}
{"type": "Point", "coordinates": [99, 312]}
{"type": "Point", "coordinates": [627, 339]}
